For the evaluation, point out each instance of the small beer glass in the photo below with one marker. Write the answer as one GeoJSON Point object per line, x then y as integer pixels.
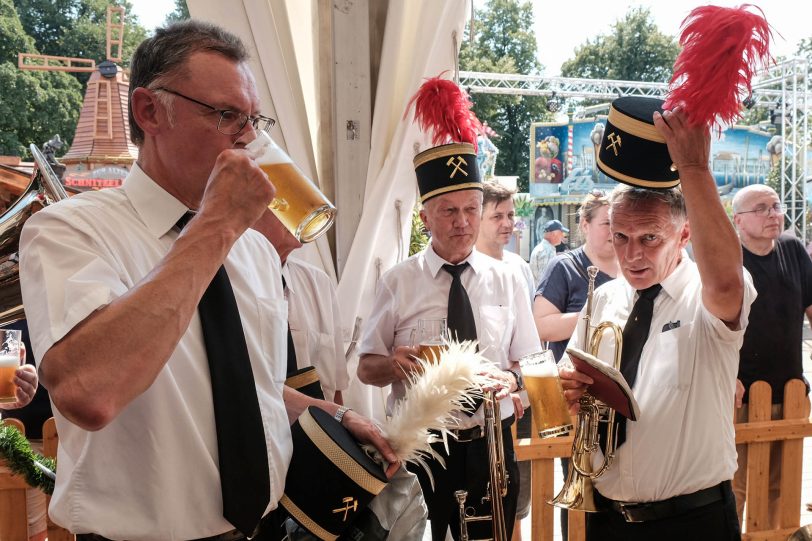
{"type": "Point", "coordinates": [550, 411]}
{"type": "Point", "coordinates": [298, 204]}
{"type": "Point", "coordinates": [10, 361]}
{"type": "Point", "coordinates": [429, 338]}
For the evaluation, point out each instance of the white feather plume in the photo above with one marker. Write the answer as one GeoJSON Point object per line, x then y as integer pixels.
{"type": "Point", "coordinates": [424, 415]}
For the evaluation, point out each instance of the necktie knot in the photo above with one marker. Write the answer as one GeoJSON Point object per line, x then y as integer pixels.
{"type": "Point", "coordinates": [650, 293]}
{"type": "Point", "coordinates": [456, 270]}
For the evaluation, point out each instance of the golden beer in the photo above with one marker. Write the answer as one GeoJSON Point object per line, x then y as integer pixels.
{"type": "Point", "coordinates": [299, 205]}
{"type": "Point", "coordinates": [430, 352]}
{"type": "Point", "coordinates": [8, 369]}
{"type": "Point", "coordinates": [550, 412]}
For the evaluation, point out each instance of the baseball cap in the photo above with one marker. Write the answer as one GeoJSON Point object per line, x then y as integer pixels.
{"type": "Point", "coordinates": [555, 225]}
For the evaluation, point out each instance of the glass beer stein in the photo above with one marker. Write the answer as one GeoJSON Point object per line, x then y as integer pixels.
{"type": "Point", "coordinates": [429, 338]}
{"type": "Point", "coordinates": [10, 361]}
{"type": "Point", "coordinates": [550, 412]}
{"type": "Point", "coordinates": [298, 204]}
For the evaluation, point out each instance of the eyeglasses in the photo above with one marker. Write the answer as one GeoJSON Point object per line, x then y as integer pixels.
{"type": "Point", "coordinates": [764, 210]}
{"type": "Point", "coordinates": [231, 122]}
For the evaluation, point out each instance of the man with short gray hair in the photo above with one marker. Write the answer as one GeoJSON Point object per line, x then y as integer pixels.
{"type": "Point", "coordinates": [683, 325]}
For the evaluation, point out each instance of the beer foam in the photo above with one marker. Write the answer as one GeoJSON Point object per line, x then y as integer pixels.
{"type": "Point", "coordinates": [539, 370]}
{"type": "Point", "coordinates": [263, 149]}
{"type": "Point", "coordinates": [9, 360]}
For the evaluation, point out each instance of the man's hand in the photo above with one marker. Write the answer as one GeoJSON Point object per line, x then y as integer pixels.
{"type": "Point", "coordinates": [688, 146]}
{"type": "Point", "coordinates": [739, 392]}
{"type": "Point", "coordinates": [574, 383]}
{"type": "Point", "coordinates": [404, 363]}
{"type": "Point", "coordinates": [238, 191]}
{"type": "Point", "coordinates": [518, 407]}
{"type": "Point", "coordinates": [365, 431]}
{"type": "Point", "coordinates": [501, 382]}
{"type": "Point", "coordinates": [25, 378]}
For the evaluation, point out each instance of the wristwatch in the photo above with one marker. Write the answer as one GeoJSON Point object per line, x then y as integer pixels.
{"type": "Point", "coordinates": [519, 379]}
{"type": "Point", "coordinates": [340, 413]}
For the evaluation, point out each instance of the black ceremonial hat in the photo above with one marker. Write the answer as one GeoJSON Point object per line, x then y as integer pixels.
{"type": "Point", "coordinates": [330, 479]}
{"type": "Point", "coordinates": [442, 109]}
{"type": "Point", "coordinates": [632, 150]}
{"type": "Point", "coordinates": [446, 168]}
{"type": "Point", "coordinates": [306, 381]}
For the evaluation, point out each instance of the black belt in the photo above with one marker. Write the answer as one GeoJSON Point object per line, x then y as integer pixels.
{"type": "Point", "coordinates": [465, 435]}
{"type": "Point", "coordinates": [678, 505]}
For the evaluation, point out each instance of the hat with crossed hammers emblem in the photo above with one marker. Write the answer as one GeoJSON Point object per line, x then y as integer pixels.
{"type": "Point", "coordinates": [721, 50]}
{"type": "Point", "coordinates": [443, 109]}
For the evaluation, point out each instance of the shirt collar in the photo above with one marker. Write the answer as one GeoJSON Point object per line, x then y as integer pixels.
{"type": "Point", "coordinates": [156, 207]}
{"type": "Point", "coordinates": [435, 262]}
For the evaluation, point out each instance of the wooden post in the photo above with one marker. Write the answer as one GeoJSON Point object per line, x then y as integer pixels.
{"type": "Point", "coordinates": [13, 506]}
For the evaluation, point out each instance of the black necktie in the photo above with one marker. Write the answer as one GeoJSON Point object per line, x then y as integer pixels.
{"type": "Point", "coordinates": [635, 334]}
{"type": "Point", "coordinates": [292, 366]}
{"type": "Point", "coordinates": [242, 453]}
{"type": "Point", "coordinates": [460, 317]}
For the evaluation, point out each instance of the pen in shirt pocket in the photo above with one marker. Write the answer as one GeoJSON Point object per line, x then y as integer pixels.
{"type": "Point", "coordinates": [670, 326]}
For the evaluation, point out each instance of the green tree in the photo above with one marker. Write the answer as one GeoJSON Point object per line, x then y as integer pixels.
{"type": "Point", "coordinates": [33, 105]}
{"type": "Point", "coordinates": [181, 12]}
{"type": "Point", "coordinates": [504, 42]}
{"type": "Point", "coordinates": [635, 50]}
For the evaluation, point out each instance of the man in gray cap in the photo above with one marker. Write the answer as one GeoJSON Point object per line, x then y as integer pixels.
{"type": "Point", "coordinates": [545, 251]}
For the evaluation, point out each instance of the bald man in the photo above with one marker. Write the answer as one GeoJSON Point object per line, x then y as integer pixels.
{"type": "Point", "coordinates": [782, 273]}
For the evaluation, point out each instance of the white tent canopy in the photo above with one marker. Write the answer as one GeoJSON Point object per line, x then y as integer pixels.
{"type": "Point", "coordinates": [315, 64]}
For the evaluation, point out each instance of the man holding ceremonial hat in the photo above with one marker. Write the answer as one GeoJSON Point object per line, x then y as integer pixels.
{"type": "Point", "coordinates": [683, 321]}
{"type": "Point", "coordinates": [481, 298]}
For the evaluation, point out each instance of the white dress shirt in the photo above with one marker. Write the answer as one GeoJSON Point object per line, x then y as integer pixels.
{"type": "Point", "coordinates": [683, 440]}
{"type": "Point", "coordinates": [315, 324]}
{"type": "Point", "coordinates": [523, 267]}
{"type": "Point", "coordinates": [418, 288]}
{"type": "Point", "coordinates": [152, 473]}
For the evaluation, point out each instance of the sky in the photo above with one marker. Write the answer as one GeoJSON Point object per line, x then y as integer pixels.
{"type": "Point", "coordinates": [562, 26]}
{"type": "Point", "coordinates": [560, 32]}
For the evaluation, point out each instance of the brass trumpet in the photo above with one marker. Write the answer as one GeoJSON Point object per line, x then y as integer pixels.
{"type": "Point", "coordinates": [578, 490]}
{"type": "Point", "coordinates": [498, 483]}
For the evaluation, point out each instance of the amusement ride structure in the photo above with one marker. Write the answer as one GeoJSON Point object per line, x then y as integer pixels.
{"type": "Point", "coordinates": [783, 89]}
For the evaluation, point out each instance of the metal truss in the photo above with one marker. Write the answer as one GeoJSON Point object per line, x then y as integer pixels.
{"type": "Point", "coordinates": [783, 89]}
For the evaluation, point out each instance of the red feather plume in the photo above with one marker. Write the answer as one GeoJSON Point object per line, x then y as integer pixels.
{"type": "Point", "coordinates": [444, 110]}
{"type": "Point", "coordinates": [722, 50]}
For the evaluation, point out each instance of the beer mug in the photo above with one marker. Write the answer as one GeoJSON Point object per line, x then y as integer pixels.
{"type": "Point", "coordinates": [550, 411]}
{"type": "Point", "coordinates": [429, 338]}
{"type": "Point", "coordinates": [9, 363]}
{"type": "Point", "coordinates": [298, 204]}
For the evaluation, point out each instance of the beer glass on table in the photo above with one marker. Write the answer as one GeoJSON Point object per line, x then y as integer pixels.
{"type": "Point", "coordinates": [429, 338]}
{"type": "Point", "coordinates": [550, 412]}
{"type": "Point", "coordinates": [298, 204]}
{"type": "Point", "coordinates": [10, 361]}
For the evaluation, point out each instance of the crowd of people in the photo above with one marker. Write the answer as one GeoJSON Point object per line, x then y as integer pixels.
{"type": "Point", "coordinates": [171, 429]}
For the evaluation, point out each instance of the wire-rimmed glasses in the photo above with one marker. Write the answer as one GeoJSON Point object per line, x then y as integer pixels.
{"type": "Point", "coordinates": [764, 210]}
{"type": "Point", "coordinates": [231, 122]}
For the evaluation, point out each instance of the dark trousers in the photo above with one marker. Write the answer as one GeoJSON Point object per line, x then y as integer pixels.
{"type": "Point", "coordinates": [466, 468]}
{"type": "Point", "coordinates": [713, 522]}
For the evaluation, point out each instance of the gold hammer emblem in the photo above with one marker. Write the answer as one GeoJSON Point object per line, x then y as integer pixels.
{"type": "Point", "coordinates": [615, 142]}
{"type": "Point", "coordinates": [457, 162]}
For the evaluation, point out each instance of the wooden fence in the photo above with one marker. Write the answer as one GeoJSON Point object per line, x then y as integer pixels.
{"type": "Point", "coordinates": [758, 432]}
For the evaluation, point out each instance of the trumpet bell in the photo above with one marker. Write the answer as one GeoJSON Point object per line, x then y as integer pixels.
{"type": "Point", "coordinates": [44, 189]}
{"type": "Point", "coordinates": [578, 493]}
